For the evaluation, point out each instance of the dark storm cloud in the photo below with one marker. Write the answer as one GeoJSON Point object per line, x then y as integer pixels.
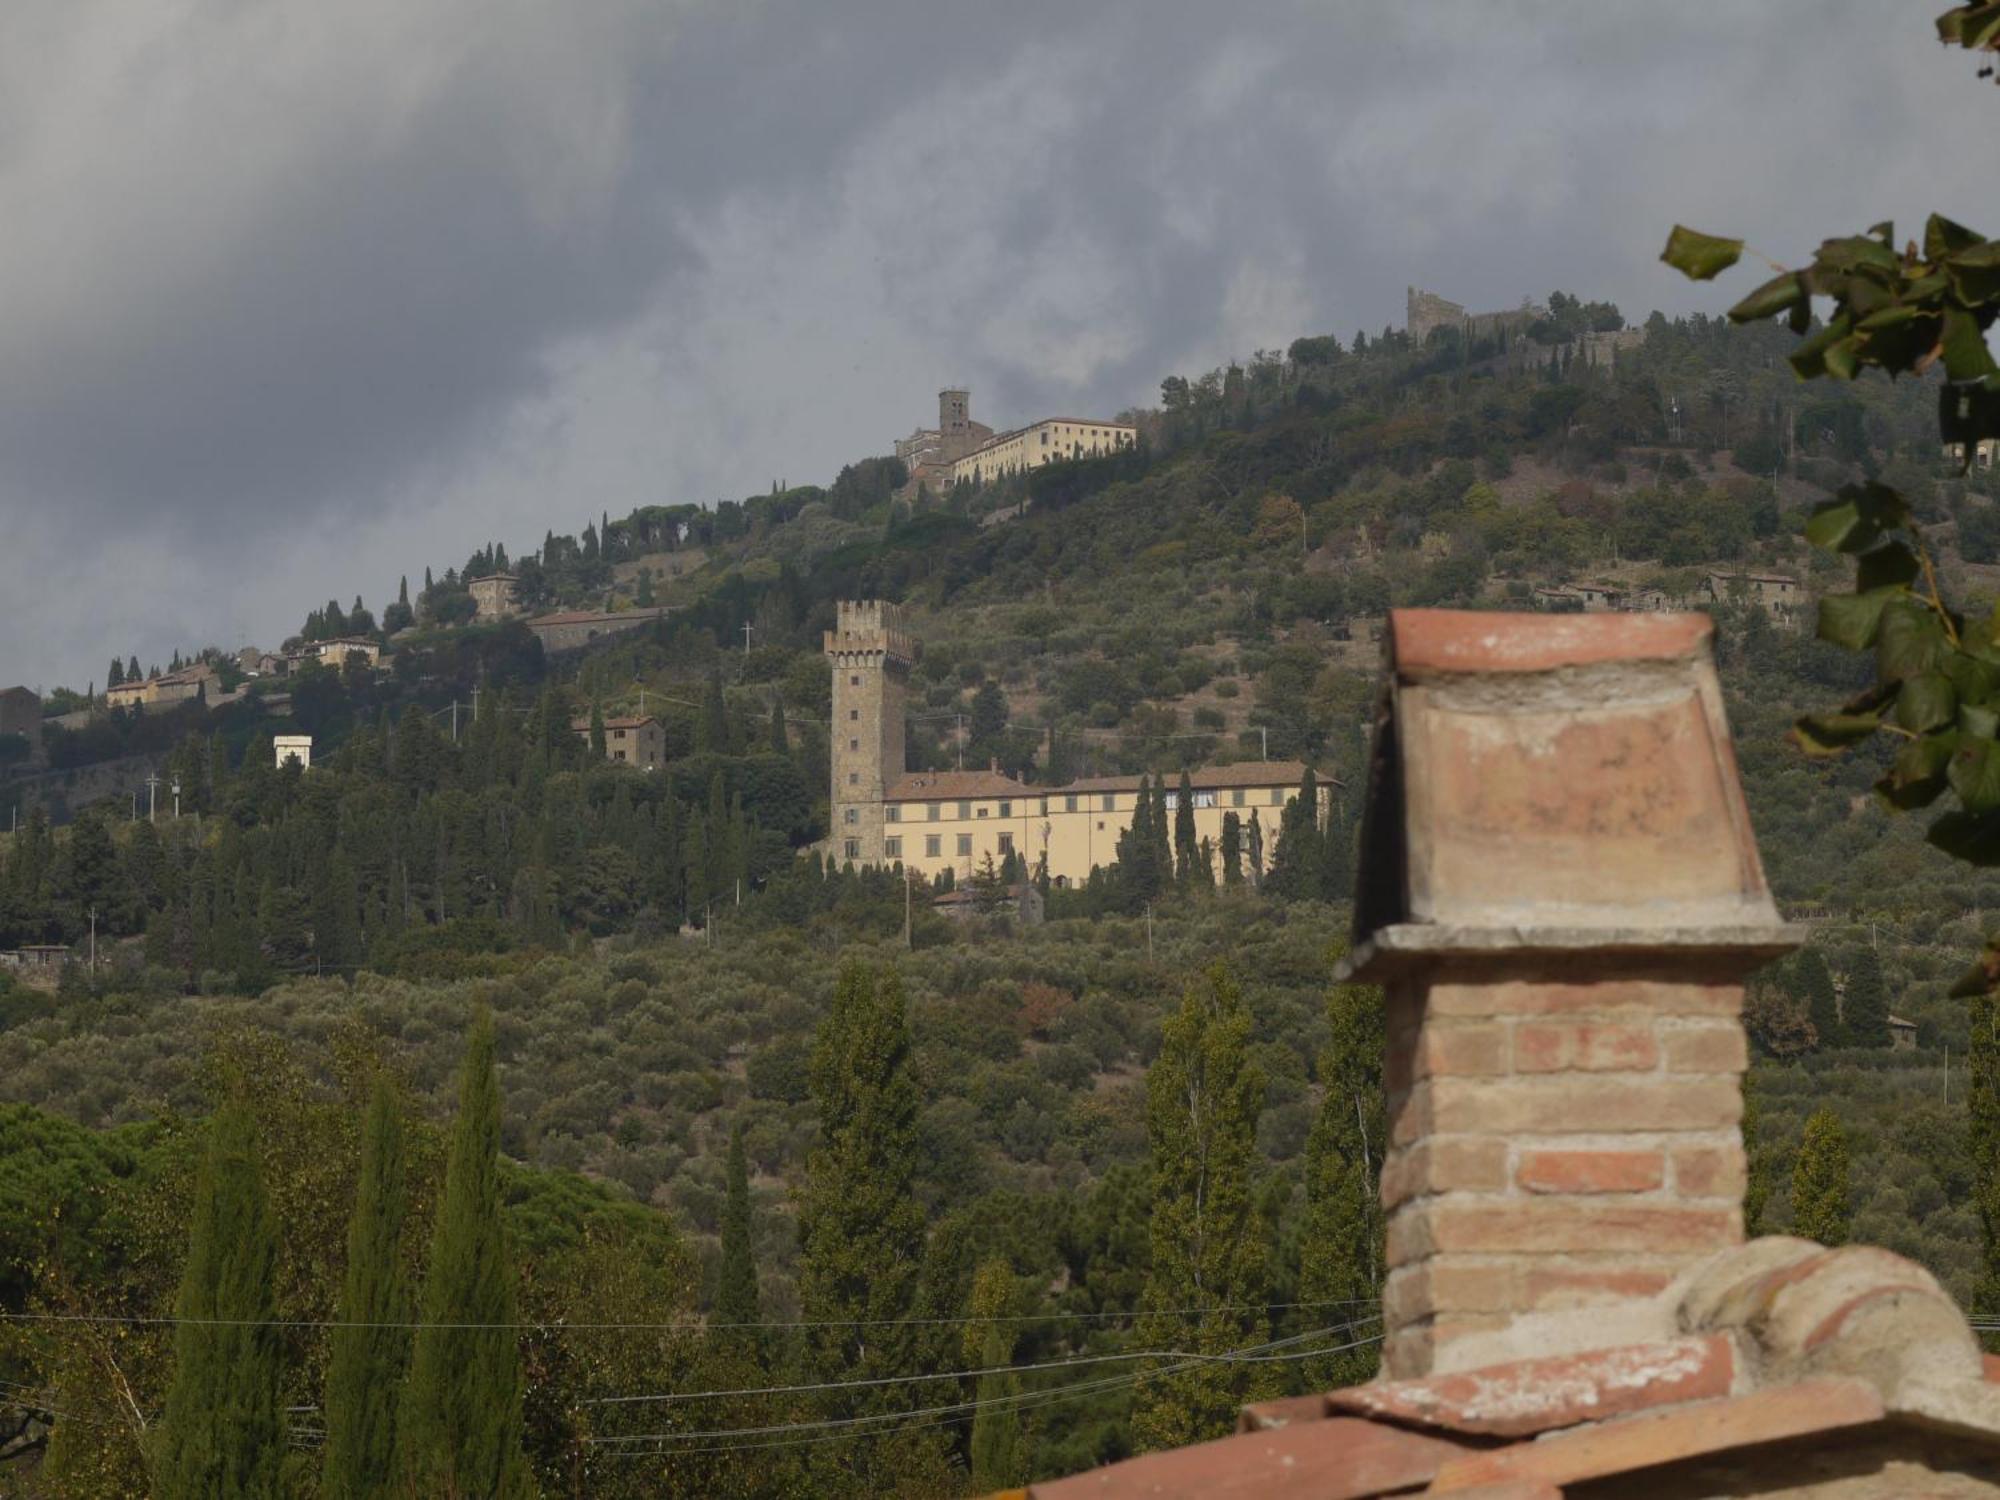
{"type": "Point", "coordinates": [294, 298]}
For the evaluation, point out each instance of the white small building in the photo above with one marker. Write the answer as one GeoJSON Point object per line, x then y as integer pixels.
{"type": "Point", "coordinates": [298, 747]}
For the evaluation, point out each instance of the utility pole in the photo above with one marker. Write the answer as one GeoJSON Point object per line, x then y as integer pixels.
{"type": "Point", "coordinates": [177, 799]}
{"type": "Point", "coordinates": [454, 721]}
{"type": "Point", "coordinates": [747, 628]}
{"type": "Point", "coordinates": [152, 797]}
{"type": "Point", "coordinates": [958, 735]}
{"type": "Point", "coordinates": [93, 938]}
{"type": "Point", "coordinates": [907, 943]}
{"type": "Point", "coordinates": [1149, 932]}
{"type": "Point", "coordinates": [1264, 737]}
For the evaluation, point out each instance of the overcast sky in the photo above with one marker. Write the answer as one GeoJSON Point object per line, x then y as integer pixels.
{"type": "Point", "coordinates": [298, 296]}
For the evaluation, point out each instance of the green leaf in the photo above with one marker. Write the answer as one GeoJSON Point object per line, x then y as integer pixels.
{"type": "Point", "coordinates": [1975, 774]}
{"type": "Point", "coordinates": [1843, 359]}
{"type": "Point", "coordinates": [1770, 299]}
{"type": "Point", "coordinates": [1809, 359]}
{"type": "Point", "coordinates": [1851, 620]}
{"type": "Point", "coordinates": [1967, 836]}
{"type": "Point", "coordinates": [1942, 237]}
{"type": "Point", "coordinates": [1970, 677]}
{"type": "Point", "coordinates": [1700, 257]}
{"type": "Point", "coordinates": [1916, 778]}
{"type": "Point", "coordinates": [1856, 252]}
{"type": "Point", "coordinates": [1884, 567]}
{"type": "Point", "coordinates": [1833, 522]}
{"type": "Point", "coordinates": [1910, 641]}
{"type": "Point", "coordinates": [1966, 356]}
{"type": "Point", "coordinates": [1975, 720]}
{"type": "Point", "coordinates": [1854, 519]}
{"type": "Point", "coordinates": [1829, 734]}
{"type": "Point", "coordinates": [1926, 702]}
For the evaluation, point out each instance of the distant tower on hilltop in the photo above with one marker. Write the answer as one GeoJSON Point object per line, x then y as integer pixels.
{"type": "Point", "coordinates": [870, 654]}
{"type": "Point", "coordinates": [954, 413]}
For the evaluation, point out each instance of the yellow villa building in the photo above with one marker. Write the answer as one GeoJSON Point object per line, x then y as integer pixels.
{"type": "Point", "coordinates": [931, 821]}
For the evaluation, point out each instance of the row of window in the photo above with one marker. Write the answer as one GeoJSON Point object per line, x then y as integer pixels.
{"type": "Point", "coordinates": [934, 812]}
{"type": "Point", "coordinates": [933, 847]}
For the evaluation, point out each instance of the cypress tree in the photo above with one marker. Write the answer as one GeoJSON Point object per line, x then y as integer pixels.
{"type": "Point", "coordinates": [369, 1352]}
{"type": "Point", "coordinates": [1341, 1254]}
{"type": "Point", "coordinates": [1295, 864]}
{"type": "Point", "coordinates": [1256, 848]}
{"type": "Point", "coordinates": [1983, 1111]}
{"type": "Point", "coordinates": [1822, 1004]}
{"type": "Point", "coordinates": [1232, 849]}
{"type": "Point", "coordinates": [713, 726]}
{"type": "Point", "coordinates": [460, 1428]}
{"type": "Point", "coordinates": [1867, 1002]}
{"type": "Point", "coordinates": [1203, 1095]}
{"type": "Point", "coordinates": [781, 742]}
{"type": "Point", "coordinates": [1187, 854]}
{"type": "Point", "coordinates": [1756, 1161]}
{"type": "Point", "coordinates": [597, 744]}
{"type": "Point", "coordinates": [223, 1434]}
{"type": "Point", "coordinates": [1820, 1206]}
{"type": "Point", "coordinates": [861, 1228]}
{"type": "Point", "coordinates": [995, 1450]}
{"type": "Point", "coordinates": [736, 1300]}
{"type": "Point", "coordinates": [1135, 847]}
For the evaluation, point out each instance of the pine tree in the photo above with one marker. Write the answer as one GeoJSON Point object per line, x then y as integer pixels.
{"type": "Point", "coordinates": [1203, 1095]}
{"type": "Point", "coordinates": [223, 1434]}
{"type": "Point", "coordinates": [1186, 852]}
{"type": "Point", "coordinates": [1815, 987]}
{"type": "Point", "coordinates": [460, 1426]}
{"type": "Point", "coordinates": [1820, 1207]}
{"type": "Point", "coordinates": [995, 1449]}
{"type": "Point", "coordinates": [861, 1226]}
{"type": "Point", "coordinates": [369, 1351]}
{"type": "Point", "coordinates": [736, 1302]}
{"type": "Point", "coordinates": [1866, 1004]}
{"type": "Point", "coordinates": [1341, 1254]}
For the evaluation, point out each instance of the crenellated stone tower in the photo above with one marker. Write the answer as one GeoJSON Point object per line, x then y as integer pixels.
{"type": "Point", "coordinates": [870, 654]}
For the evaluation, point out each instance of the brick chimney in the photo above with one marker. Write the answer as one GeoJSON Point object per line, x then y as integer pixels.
{"type": "Point", "coordinates": [1561, 899]}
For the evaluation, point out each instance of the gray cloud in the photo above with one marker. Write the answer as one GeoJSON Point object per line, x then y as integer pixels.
{"type": "Point", "coordinates": [297, 297]}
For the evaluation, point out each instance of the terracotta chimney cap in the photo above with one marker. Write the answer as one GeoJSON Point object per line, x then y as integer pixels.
{"type": "Point", "coordinates": [1556, 783]}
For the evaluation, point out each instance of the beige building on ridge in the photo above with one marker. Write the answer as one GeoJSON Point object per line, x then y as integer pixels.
{"type": "Point", "coordinates": [932, 821]}
{"type": "Point", "coordinates": [1052, 440]}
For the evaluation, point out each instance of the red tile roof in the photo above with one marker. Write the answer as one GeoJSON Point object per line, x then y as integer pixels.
{"type": "Point", "coordinates": [944, 786]}
{"type": "Point", "coordinates": [1208, 778]}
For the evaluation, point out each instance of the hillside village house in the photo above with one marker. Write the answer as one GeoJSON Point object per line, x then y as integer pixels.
{"type": "Point", "coordinates": [629, 740]}
{"type": "Point", "coordinates": [1051, 440]}
{"type": "Point", "coordinates": [21, 712]}
{"type": "Point", "coordinates": [1561, 899]}
{"type": "Point", "coordinates": [933, 821]}
{"type": "Point", "coordinates": [177, 686]}
{"type": "Point", "coordinates": [573, 629]}
{"type": "Point", "coordinates": [493, 596]}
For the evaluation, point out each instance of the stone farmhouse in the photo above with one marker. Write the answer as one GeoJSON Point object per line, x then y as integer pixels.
{"type": "Point", "coordinates": [21, 713]}
{"type": "Point", "coordinates": [1561, 899]}
{"type": "Point", "coordinates": [1777, 594]}
{"type": "Point", "coordinates": [630, 740]}
{"type": "Point", "coordinates": [574, 629]}
{"type": "Point", "coordinates": [933, 821]}
{"type": "Point", "coordinates": [493, 596]}
{"type": "Point", "coordinates": [961, 451]}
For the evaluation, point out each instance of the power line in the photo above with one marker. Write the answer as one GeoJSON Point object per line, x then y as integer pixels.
{"type": "Point", "coordinates": [936, 1416]}
{"type": "Point", "coordinates": [1072, 1362]}
{"type": "Point", "coordinates": [691, 1325]}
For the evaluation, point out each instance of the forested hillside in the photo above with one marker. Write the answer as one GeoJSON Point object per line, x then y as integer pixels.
{"type": "Point", "coordinates": [663, 954]}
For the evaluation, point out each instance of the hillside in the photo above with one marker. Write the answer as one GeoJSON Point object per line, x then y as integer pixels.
{"type": "Point", "coordinates": [1214, 595]}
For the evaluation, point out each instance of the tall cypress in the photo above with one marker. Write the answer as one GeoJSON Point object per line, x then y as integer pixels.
{"type": "Point", "coordinates": [1232, 849]}
{"type": "Point", "coordinates": [1815, 986]}
{"type": "Point", "coordinates": [460, 1429]}
{"type": "Point", "coordinates": [370, 1351]}
{"type": "Point", "coordinates": [781, 741]}
{"type": "Point", "coordinates": [1866, 1010]}
{"type": "Point", "coordinates": [1341, 1251]}
{"type": "Point", "coordinates": [995, 1450]}
{"type": "Point", "coordinates": [223, 1434]}
{"type": "Point", "coordinates": [1203, 1095]}
{"type": "Point", "coordinates": [1186, 853]}
{"type": "Point", "coordinates": [1756, 1160]}
{"type": "Point", "coordinates": [597, 741]}
{"type": "Point", "coordinates": [861, 1229]}
{"type": "Point", "coordinates": [736, 1284]}
{"type": "Point", "coordinates": [1820, 1206]}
